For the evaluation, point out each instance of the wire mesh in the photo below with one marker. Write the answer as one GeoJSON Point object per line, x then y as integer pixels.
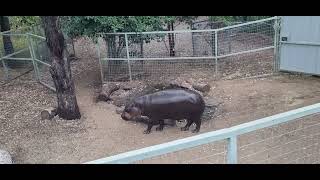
{"type": "Point", "coordinates": [115, 45]}
{"type": "Point", "coordinates": [246, 37]}
{"type": "Point", "coordinates": [246, 65]}
{"type": "Point", "coordinates": [42, 60]}
{"type": "Point", "coordinates": [44, 74]}
{"type": "Point", "coordinates": [155, 70]}
{"type": "Point", "coordinates": [212, 153]}
{"type": "Point", "coordinates": [41, 50]}
{"type": "Point", "coordinates": [292, 142]}
{"type": "Point", "coordinates": [236, 51]}
{"type": "Point", "coordinates": [164, 45]}
{"type": "Point", "coordinates": [296, 141]}
{"type": "Point", "coordinates": [13, 46]}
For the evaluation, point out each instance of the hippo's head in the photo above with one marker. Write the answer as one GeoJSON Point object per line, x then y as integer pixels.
{"type": "Point", "coordinates": [131, 112]}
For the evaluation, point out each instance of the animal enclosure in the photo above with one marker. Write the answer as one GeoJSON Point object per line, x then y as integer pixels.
{"type": "Point", "coordinates": [101, 132]}
{"type": "Point", "coordinates": [241, 50]}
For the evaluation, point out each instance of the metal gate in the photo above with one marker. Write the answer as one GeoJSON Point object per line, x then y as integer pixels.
{"type": "Point", "coordinates": [300, 44]}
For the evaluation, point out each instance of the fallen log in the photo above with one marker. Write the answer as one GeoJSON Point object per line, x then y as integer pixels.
{"type": "Point", "coordinates": [106, 91]}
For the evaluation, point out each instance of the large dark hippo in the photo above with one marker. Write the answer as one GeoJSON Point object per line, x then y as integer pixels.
{"type": "Point", "coordinates": [175, 104]}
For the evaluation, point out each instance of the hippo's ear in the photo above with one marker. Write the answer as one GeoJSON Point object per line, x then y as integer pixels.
{"type": "Point", "coordinates": [128, 107]}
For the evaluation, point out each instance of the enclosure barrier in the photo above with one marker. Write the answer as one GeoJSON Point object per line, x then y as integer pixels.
{"type": "Point", "coordinates": [135, 53]}
{"type": "Point", "coordinates": [29, 46]}
{"type": "Point", "coordinates": [230, 134]}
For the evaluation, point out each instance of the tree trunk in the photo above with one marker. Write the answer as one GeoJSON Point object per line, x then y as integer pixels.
{"type": "Point", "coordinates": [112, 52]}
{"type": "Point", "coordinates": [171, 39]}
{"type": "Point", "coordinates": [60, 70]}
{"type": "Point", "coordinates": [7, 43]}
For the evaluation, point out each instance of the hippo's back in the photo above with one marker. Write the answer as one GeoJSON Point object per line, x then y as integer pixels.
{"type": "Point", "coordinates": [172, 103]}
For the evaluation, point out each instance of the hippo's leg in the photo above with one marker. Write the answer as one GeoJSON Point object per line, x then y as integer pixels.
{"type": "Point", "coordinates": [160, 127]}
{"type": "Point", "coordinates": [186, 127]}
{"type": "Point", "coordinates": [151, 122]}
{"type": "Point", "coordinates": [148, 130]}
{"type": "Point", "coordinates": [198, 124]}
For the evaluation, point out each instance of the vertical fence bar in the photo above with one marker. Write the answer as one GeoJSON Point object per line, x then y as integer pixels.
{"type": "Point", "coordinates": [192, 39]}
{"type": "Point", "coordinates": [100, 63]}
{"type": "Point", "coordinates": [128, 55]}
{"type": "Point", "coordinates": [276, 45]}
{"type": "Point", "coordinates": [5, 68]}
{"type": "Point", "coordinates": [232, 154]}
{"type": "Point", "coordinates": [4, 64]}
{"type": "Point", "coordinates": [216, 51]}
{"type": "Point", "coordinates": [32, 53]}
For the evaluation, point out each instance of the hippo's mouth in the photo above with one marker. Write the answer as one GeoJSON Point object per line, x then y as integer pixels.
{"type": "Point", "coordinates": [124, 117]}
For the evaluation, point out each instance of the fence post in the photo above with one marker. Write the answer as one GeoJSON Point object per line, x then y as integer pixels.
{"type": "Point", "coordinates": [216, 50]}
{"type": "Point", "coordinates": [128, 55]}
{"type": "Point", "coordinates": [100, 63]}
{"type": "Point", "coordinates": [6, 71]}
{"type": "Point", "coordinates": [32, 53]}
{"type": "Point", "coordinates": [276, 45]}
{"type": "Point", "coordinates": [232, 154]}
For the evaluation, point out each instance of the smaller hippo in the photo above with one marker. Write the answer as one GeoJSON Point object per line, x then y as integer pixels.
{"type": "Point", "coordinates": [175, 104]}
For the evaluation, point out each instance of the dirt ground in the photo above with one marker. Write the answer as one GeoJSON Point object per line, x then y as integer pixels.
{"type": "Point", "coordinates": [101, 132]}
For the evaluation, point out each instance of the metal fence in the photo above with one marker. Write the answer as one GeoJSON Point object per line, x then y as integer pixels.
{"type": "Point", "coordinates": [289, 137]}
{"type": "Point", "coordinates": [41, 60]}
{"type": "Point", "coordinates": [30, 54]}
{"type": "Point", "coordinates": [240, 50]}
{"type": "Point", "coordinates": [16, 58]}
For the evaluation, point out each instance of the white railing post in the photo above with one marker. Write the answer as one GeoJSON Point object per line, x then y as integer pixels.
{"type": "Point", "coordinates": [232, 154]}
{"type": "Point", "coordinates": [128, 55]}
{"type": "Point", "coordinates": [230, 133]}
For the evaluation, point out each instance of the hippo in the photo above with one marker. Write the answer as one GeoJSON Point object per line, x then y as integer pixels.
{"type": "Point", "coordinates": [174, 104]}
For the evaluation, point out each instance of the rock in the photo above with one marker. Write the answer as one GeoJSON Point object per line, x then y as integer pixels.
{"type": "Point", "coordinates": [202, 87]}
{"type": "Point", "coordinates": [120, 97]}
{"type": "Point", "coordinates": [48, 113]}
{"type": "Point", "coordinates": [5, 157]}
{"type": "Point", "coordinates": [119, 110]}
{"type": "Point", "coordinates": [129, 85]}
{"type": "Point", "coordinates": [107, 90]}
{"type": "Point", "coordinates": [212, 102]}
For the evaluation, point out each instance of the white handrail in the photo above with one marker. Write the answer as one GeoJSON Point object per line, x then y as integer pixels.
{"type": "Point", "coordinates": [209, 137]}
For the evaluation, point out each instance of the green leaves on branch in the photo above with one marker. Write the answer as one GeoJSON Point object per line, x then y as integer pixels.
{"type": "Point", "coordinates": [17, 22]}
{"type": "Point", "coordinates": [90, 25]}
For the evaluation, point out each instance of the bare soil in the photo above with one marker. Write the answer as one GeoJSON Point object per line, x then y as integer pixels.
{"type": "Point", "coordinates": [101, 132]}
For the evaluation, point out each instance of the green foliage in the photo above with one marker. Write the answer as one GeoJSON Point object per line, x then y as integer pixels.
{"type": "Point", "coordinates": [17, 42]}
{"type": "Point", "coordinates": [18, 22]}
{"type": "Point", "coordinates": [76, 26]}
{"type": "Point", "coordinates": [230, 19]}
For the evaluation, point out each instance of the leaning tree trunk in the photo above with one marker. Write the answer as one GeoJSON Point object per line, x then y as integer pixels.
{"type": "Point", "coordinates": [7, 43]}
{"type": "Point", "coordinates": [60, 70]}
